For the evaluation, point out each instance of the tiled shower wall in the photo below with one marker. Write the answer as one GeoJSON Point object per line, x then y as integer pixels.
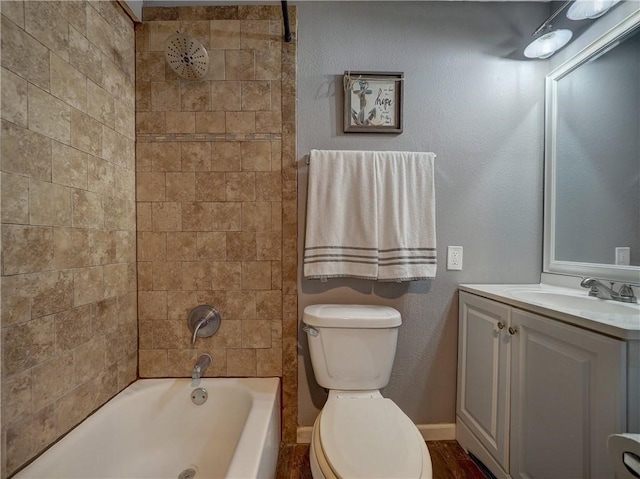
{"type": "Point", "coordinates": [69, 333]}
{"type": "Point", "coordinates": [216, 196]}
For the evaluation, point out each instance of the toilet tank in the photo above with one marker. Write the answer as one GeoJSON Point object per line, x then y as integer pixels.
{"type": "Point", "coordinates": [352, 347]}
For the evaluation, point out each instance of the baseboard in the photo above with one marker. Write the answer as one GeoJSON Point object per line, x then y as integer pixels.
{"type": "Point", "coordinates": [430, 432]}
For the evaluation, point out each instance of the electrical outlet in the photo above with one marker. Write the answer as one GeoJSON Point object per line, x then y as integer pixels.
{"type": "Point", "coordinates": [454, 258]}
{"type": "Point", "coordinates": [623, 255]}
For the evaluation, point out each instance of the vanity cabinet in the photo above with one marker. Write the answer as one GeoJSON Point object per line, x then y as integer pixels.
{"type": "Point", "coordinates": [537, 398]}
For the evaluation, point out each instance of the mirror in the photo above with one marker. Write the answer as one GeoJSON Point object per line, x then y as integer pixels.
{"type": "Point", "coordinates": [592, 159]}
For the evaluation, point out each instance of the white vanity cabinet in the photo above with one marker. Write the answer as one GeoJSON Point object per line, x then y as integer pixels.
{"type": "Point", "coordinates": [537, 398]}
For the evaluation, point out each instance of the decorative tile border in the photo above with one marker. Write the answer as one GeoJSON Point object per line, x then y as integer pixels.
{"type": "Point", "coordinates": [191, 137]}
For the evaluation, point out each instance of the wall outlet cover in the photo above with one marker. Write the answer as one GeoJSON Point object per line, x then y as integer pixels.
{"type": "Point", "coordinates": [454, 258]}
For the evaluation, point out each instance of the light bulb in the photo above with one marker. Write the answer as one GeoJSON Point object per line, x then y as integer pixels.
{"type": "Point", "coordinates": [549, 43]}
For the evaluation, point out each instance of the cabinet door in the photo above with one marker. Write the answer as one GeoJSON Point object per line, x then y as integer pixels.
{"type": "Point", "coordinates": [567, 396]}
{"type": "Point", "coordinates": [483, 390]}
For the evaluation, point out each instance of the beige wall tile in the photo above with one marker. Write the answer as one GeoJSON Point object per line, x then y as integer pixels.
{"type": "Point", "coordinates": [150, 186]}
{"type": "Point", "coordinates": [48, 115]}
{"type": "Point", "coordinates": [87, 209]}
{"type": "Point", "coordinates": [88, 285]}
{"type": "Point", "coordinates": [254, 34]}
{"type": "Point", "coordinates": [159, 32]}
{"type": "Point", "coordinates": [181, 362]}
{"type": "Point", "coordinates": [226, 216]}
{"type": "Point", "coordinates": [217, 68]}
{"type": "Point", "coordinates": [14, 97]}
{"type": "Point", "coordinates": [152, 305]}
{"type": "Point", "coordinates": [226, 95]}
{"type": "Point", "coordinates": [86, 133]}
{"type": "Point", "coordinates": [268, 64]}
{"type": "Point", "coordinates": [26, 249]}
{"type": "Point", "coordinates": [225, 34]}
{"type": "Point", "coordinates": [168, 335]}
{"type": "Point", "coordinates": [241, 362]}
{"type": "Point", "coordinates": [152, 246]}
{"type": "Point", "coordinates": [71, 248]}
{"type": "Point", "coordinates": [166, 216]}
{"type": "Point", "coordinates": [104, 316]}
{"type": "Point", "coordinates": [180, 122]}
{"type": "Point", "coordinates": [181, 246]}
{"type": "Point", "coordinates": [143, 96]}
{"type": "Point", "coordinates": [69, 166]}
{"type": "Point", "coordinates": [269, 186]}
{"type": "Point", "coordinates": [180, 186]}
{"type": "Point", "coordinates": [269, 362]}
{"type": "Point", "coordinates": [256, 95]}
{"type": "Point", "coordinates": [16, 397]}
{"type": "Point", "coordinates": [99, 32]}
{"type": "Point", "coordinates": [240, 186]}
{"type": "Point", "coordinates": [84, 55]}
{"type": "Point", "coordinates": [240, 122]}
{"type": "Point", "coordinates": [43, 21]}
{"type": "Point", "coordinates": [25, 152]}
{"type": "Point", "coordinates": [165, 156]}
{"type": "Point", "coordinates": [100, 104]}
{"type": "Point", "coordinates": [196, 156]}
{"type": "Point", "coordinates": [125, 123]}
{"type": "Point", "coordinates": [167, 275]}
{"type": "Point", "coordinates": [179, 303]}
{"type": "Point", "coordinates": [117, 148]}
{"type": "Point", "coordinates": [165, 96]}
{"type": "Point", "coordinates": [100, 175]}
{"type": "Point", "coordinates": [256, 275]}
{"type": "Point", "coordinates": [33, 67]}
{"type": "Point", "coordinates": [51, 292]}
{"type": "Point", "coordinates": [101, 247]}
{"type": "Point", "coordinates": [209, 186]}
{"type": "Point", "coordinates": [14, 11]}
{"type": "Point", "coordinates": [196, 276]}
{"type": "Point", "coordinates": [196, 216]}
{"type": "Point", "coordinates": [28, 344]}
{"type": "Point", "coordinates": [89, 358]}
{"type": "Point", "coordinates": [228, 336]}
{"type": "Point", "coordinates": [226, 156]}
{"type": "Point", "coordinates": [211, 246]}
{"type": "Point", "coordinates": [49, 204]}
{"type": "Point", "coordinates": [150, 66]}
{"type": "Point", "coordinates": [256, 334]}
{"type": "Point", "coordinates": [241, 305]}
{"type": "Point", "coordinates": [15, 198]}
{"type": "Point", "coordinates": [226, 275]}
{"type": "Point", "coordinates": [195, 95]}
{"type": "Point", "coordinates": [210, 122]}
{"type": "Point", "coordinates": [67, 83]}
{"type": "Point", "coordinates": [268, 122]}
{"type": "Point", "coordinates": [239, 65]}
{"type": "Point", "coordinates": [150, 122]}
{"type": "Point", "coordinates": [256, 155]}
{"type": "Point", "coordinates": [125, 247]}
{"type": "Point", "coordinates": [241, 246]}
{"type": "Point", "coordinates": [256, 216]}
{"type": "Point", "coordinates": [116, 280]}
{"type": "Point", "coordinates": [269, 245]}
{"type": "Point", "coordinates": [152, 363]}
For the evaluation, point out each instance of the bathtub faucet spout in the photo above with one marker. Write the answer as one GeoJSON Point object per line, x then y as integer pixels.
{"type": "Point", "coordinates": [202, 364]}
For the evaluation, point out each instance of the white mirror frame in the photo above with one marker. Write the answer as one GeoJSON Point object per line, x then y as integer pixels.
{"type": "Point", "coordinates": [551, 265]}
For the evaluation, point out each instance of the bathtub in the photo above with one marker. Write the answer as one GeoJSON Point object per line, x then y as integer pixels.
{"type": "Point", "coordinates": [153, 430]}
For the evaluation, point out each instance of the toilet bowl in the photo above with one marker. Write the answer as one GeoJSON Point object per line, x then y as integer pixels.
{"type": "Point", "coordinates": [359, 433]}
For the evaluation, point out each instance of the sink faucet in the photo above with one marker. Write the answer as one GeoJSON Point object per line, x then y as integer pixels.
{"type": "Point", "coordinates": [202, 364]}
{"type": "Point", "coordinates": [599, 290]}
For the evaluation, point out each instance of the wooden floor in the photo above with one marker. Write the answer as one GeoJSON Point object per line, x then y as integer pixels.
{"type": "Point", "coordinates": [448, 459]}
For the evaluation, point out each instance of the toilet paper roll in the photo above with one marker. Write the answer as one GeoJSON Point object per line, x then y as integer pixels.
{"type": "Point", "coordinates": [624, 454]}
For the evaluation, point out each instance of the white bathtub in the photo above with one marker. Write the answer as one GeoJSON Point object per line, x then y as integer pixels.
{"type": "Point", "coordinates": [153, 430]}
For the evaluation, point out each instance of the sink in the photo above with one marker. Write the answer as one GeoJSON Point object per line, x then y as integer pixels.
{"type": "Point", "coordinates": [576, 301]}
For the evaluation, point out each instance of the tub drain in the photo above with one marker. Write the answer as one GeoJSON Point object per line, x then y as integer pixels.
{"type": "Point", "coordinates": [187, 474]}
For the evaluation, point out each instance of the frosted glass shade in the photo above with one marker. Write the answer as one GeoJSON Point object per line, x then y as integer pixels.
{"type": "Point", "coordinates": [581, 9]}
{"type": "Point", "coordinates": [548, 44]}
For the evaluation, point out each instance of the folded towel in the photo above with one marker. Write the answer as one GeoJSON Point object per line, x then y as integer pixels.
{"type": "Point", "coordinates": [342, 228]}
{"type": "Point", "coordinates": [406, 216]}
{"type": "Point", "coordinates": [370, 215]}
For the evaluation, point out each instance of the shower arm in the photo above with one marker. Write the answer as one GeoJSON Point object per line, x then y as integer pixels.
{"type": "Point", "coordinates": [285, 19]}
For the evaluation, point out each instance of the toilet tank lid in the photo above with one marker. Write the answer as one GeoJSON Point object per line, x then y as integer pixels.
{"type": "Point", "coordinates": [351, 316]}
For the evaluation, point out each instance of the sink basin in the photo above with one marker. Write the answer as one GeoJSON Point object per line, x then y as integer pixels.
{"type": "Point", "coordinates": [576, 301]}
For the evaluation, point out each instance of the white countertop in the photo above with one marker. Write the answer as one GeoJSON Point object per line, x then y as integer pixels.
{"type": "Point", "coordinates": [622, 326]}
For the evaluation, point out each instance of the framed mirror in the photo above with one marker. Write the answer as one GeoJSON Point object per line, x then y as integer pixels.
{"type": "Point", "coordinates": [592, 159]}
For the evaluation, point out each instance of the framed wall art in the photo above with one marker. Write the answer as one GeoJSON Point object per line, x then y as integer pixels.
{"type": "Point", "coordinates": [373, 102]}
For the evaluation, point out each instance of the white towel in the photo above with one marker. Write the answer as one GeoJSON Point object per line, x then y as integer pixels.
{"type": "Point", "coordinates": [341, 237]}
{"type": "Point", "coordinates": [406, 216]}
{"type": "Point", "coordinates": [370, 215]}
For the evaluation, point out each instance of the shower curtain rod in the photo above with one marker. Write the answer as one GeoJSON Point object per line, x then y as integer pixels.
{"type": "Point", "coordinates": [285, 19]}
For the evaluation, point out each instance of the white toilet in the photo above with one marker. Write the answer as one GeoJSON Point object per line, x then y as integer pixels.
{"type": "Point", "coordinates": [359, 433]}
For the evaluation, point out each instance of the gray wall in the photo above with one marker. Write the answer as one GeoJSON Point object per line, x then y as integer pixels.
{"type": "Point", "coordinates": [469, 98]}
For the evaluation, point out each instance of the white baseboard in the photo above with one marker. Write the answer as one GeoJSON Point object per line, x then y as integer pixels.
{"type": "Point", "coordinates": [430, 432]}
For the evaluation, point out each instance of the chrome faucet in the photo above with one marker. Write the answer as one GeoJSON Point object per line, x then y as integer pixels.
{"type": "Point", "coordinates": [202, 364]}
{"type": "Point", "coordinates": [599, 290]}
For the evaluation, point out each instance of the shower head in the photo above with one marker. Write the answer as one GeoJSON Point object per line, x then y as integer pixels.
{"type": "Point", "coordinates": [186, 56]}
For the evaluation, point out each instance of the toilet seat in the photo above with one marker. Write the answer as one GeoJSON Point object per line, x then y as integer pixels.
{"type": "Point", "coordinates": [368, 438]}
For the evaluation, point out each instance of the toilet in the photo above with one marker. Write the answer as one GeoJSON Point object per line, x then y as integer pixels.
{"type": "Point", "coordinates": [359, 433]}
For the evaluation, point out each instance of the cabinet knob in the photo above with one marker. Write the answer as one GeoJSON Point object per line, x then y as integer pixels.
{"type": "Point", "coordinates": [500, 325]}
{"type": "Point", "coordinates": [512, 330]}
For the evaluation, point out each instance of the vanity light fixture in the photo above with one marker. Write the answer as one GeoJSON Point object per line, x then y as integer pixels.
{"type": "Point", "coordinates": [583, 9]}
{"type": "Point", "coordinates": [549, 43]}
